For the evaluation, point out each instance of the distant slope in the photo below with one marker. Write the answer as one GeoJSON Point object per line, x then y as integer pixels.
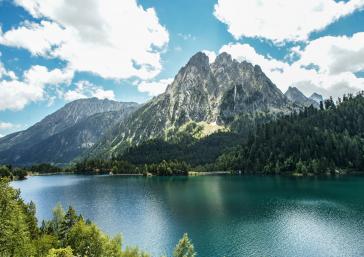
{"type": "Point", "coordinates": [65, 134]}
{"type": "Point", "coordinates": [212, 96]}
{"type": "Point", "coordinates": [317, 98]}
{"type": "Point", "coordinates": [297, 97]}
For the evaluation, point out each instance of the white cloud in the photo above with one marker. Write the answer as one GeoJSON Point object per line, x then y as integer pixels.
{"type": "Point", "coordinates": [7, 128]}
{"type": "Point", "coordinates": [16, 93]}
{"type": "Point", "coordinates": [6, 125]}
{"type": "Point", "coordinates": [44, 36]}
{"type": "Point", "coordinates": [111, 38]}
{"type": "Point", "coordinates": [281, 20]}
{"type": "Point", "coordinates": [154, 88]}
{"type": "Point", "coordinates": [40, 76]}
{"type": "Point", "coordinates": [326, 65]}
{"type": "Point", "coordinates": [210, 54]}
{"type": "Point", "coordinates": [6, 73]}
{"type": "Point", "coordinates": [335, 55]}
{"type": "Point", "coordinates": [85, 89]}
{"type": "Point", "coordinates": [1, 135]}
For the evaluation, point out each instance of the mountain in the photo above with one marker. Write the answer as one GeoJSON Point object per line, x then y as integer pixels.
{"type": "Point", "coordinates": [297, 97]}
{"type": "Point", "coordinates": [203, 97]}
{"type": "Point", "coordinates": [317, 98]}
{"type": "Point", "coordinates": [65, 134]}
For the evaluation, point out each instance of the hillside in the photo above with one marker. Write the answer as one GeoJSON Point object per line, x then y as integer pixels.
{"type": "Point", "coordinates": [313, 141]}
{"type": "Point", "coordinates": [65, 134]}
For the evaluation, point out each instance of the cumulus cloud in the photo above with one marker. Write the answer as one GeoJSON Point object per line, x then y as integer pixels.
{"type": "Point", "coordinates": [326, 65]}
{"type": "Point", "coordinates": [281, 20]}
{"type": "Point", "coordinates": [335, 55]}
{"type": "Point", "coordinates": [40, 75]}
{"type": "Point", "coordinates": [111, 38]}
{"type": "Point", "coordinates": [4, 73]}
{"type": "Point", "coordinates": [86, 89]}
{"type": "Point", "coordinates": [154, 88]}
{"type": "Point", "coordinates": [44, 36]}
{"type": "Point", "coordinates": [16, 93]}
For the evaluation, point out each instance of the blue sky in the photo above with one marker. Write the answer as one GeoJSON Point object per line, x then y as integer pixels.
{"type": "Point", "coordinates": [53, 52]}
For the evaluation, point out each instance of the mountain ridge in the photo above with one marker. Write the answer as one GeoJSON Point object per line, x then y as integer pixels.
{"type": "Point", "coordinates": [200, 93]}
{"type": "Point", "coordinates": [21, 147]}
{"type": "Point", "coordinates": [297, 97]}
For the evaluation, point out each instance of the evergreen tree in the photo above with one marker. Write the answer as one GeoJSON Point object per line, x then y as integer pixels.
{"type": "Point", "coordinates": [184, 248]}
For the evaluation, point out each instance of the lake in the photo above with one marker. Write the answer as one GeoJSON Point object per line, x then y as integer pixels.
{"type": "Point", "coordinates": [223, 215]}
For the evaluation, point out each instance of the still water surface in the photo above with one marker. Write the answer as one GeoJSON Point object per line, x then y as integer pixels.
{"type": "Point", "coordinates": [224, 216]}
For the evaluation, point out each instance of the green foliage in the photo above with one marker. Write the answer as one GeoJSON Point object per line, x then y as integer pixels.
{"type": "Point", "coordinates": [12, 173]}
{"type": "Point", "coordinates": [164, 168]}
{"type": "Point", "coordinates": [44, 244]}
{"type": "Point", "coordinates": [312, 141]}
{"type": "Point", "coordinates": [45, 168]}
{"type": "Point", "coordinates": [134, 252]}
{"type": "Point", "coordinates": [5, 171]}
{"type": "Point", "coordinates": [61, 252]}
{"type": "Point", "coordinates": [15, 232]}
{"type": "Point", "coordinates": [167, 168]}
{"type": "Point", "coordinates": [184, 248]}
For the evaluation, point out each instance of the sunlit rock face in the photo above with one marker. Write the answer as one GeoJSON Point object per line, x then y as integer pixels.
{"type": "Point", "coordinates": [201, 92]}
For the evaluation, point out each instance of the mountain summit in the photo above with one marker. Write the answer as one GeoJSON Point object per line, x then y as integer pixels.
{"type": "Point", "coordinates": [210, 96]}
{"type": "Point", "coordinates": [297, 97]}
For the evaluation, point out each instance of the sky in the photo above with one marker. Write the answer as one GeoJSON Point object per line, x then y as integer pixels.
{"type": "Point", "coordinates": [56, 51]}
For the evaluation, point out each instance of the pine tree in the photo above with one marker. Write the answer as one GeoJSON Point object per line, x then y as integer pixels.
{"type": "Point", "coordinates": [184, 248]}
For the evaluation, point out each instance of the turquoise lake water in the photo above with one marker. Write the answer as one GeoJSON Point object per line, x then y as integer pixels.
{"type": "Point", "coordinates": [223, 215]}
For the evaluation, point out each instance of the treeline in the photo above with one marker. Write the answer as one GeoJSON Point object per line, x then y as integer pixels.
{"type": "Point", "coordinates": [19, 173]}
{"type": "Point", "coordinates": [116, 166]}
{"type": "Point", "coordinates": [65, 235]}
{"type": "Point", "coordinates": [13, 173]}
{"type": "Point", "coordinates": [328, 140]}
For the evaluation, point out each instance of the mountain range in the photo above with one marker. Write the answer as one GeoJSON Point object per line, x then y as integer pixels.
{"type": "Point", "coordinates": [204, 98]}
{"type": "Point", "coordinates": [297, 97]}
{"type": "Point", "coordinates": [65, 134]}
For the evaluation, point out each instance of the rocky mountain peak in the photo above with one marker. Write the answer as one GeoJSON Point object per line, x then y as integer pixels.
{"type": "Point", "coordinates": [293, 93]}
{"type": "Point", "coordinates": [223, 59]}
{"type": "Point", "coordinates": [199, 60]}
{"type": "Point", "coordinates": [297, 97]}
{"type": "Point", "coordinates": [316, 97]}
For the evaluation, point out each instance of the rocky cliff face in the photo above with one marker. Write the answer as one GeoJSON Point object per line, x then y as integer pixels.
{"type": "Point", "coordinates": [297, 97]}
{"type": "Point", "coordinates": [207, 94]}
{"type": "Point", "coordinates": [65, 134]}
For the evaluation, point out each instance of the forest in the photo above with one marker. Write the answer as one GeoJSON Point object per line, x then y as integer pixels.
{"type": "Point", "coordinates": [67, 234]}
{"type": "Point", "coordinates": [328, 140]}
